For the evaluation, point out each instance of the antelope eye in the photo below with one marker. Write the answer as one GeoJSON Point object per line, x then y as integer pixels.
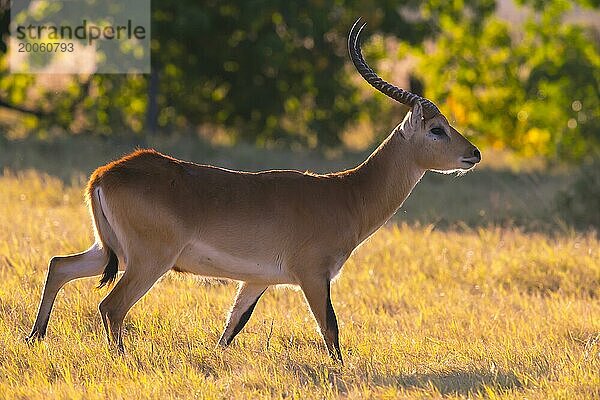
{"type": "Point", "coordinates": [438, 131]}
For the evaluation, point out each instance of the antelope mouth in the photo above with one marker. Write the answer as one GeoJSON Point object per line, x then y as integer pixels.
{"type": "Point", "coordinates": [470, 162]}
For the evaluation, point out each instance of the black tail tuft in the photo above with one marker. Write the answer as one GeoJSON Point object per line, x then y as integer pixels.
{"type": "Point", "coordinates": [110, 271]}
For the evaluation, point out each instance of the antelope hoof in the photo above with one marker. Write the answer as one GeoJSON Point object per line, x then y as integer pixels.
{"type": "Point", "coordinates": [118, 350]}
{"type": "Point", "coordinates": [337, 358]}
{"type": "Point", "coordinates": [222, 344]}
{"type": "Point", "coordinates": [34, 336]}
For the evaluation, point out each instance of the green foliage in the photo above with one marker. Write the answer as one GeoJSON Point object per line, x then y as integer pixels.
{"type": "Point", "coordinates": [271, 70]}
{"type": "Point", "coordinates": [266, 70]}
{"type": "Point", "coordinates": [281, 69]}
{"type": "Point", "coordinates": [542, 4]}
{"type": "Point", "coordinates": [274, 72]}
{"type": "Point", "coordinates": [533, 90]}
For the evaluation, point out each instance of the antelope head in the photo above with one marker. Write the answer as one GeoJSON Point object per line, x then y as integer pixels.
{"type": "Point", "coordinates": [434, 143]}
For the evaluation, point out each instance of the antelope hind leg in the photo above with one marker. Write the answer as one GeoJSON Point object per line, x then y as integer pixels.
{"type": "Point", "coordinates": [138, 279]}
{"type": "Point", "coordinates": [61, 270]}
{"type": "Point", "coordinates": [247, 296]}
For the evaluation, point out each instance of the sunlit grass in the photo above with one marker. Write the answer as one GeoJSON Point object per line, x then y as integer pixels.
{"type": "Point", "coordinates": [494, 312]}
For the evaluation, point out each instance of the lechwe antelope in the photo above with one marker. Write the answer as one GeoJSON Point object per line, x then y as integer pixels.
{"type": "Point", "coordinates": [152, 213]}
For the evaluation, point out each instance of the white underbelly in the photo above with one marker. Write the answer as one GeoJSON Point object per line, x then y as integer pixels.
{"type": "Point", "coordinates": [201, 259]}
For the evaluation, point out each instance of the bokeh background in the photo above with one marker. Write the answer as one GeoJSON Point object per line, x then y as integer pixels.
{"type": "Point", "coordinates": [521, 76]}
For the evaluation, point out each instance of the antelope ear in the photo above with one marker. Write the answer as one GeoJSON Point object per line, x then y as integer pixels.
{"type": "Point", "coordinates": [413, 121]}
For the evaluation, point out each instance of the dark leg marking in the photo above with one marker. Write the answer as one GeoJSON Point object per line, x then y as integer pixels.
{"type": "Point", "coordinates": [244, 319]}
{"type": "Point", "coordinates": [332, 325]}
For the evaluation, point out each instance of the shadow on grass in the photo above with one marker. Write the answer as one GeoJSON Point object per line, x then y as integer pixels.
{"type": "Point", "coordinates": [448, 383]}
{"type": "Point", "coordinates": [458, 383]}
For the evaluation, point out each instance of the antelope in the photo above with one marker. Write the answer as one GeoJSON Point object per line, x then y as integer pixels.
{"type": "Point", "coordinates": [152, 213]}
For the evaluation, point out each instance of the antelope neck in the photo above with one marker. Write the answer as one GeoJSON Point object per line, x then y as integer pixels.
{"type": "Point", "coordinates": [383, 182]}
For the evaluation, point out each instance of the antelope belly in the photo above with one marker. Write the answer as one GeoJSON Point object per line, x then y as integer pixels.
{"type": "Point", "coordinates": [202, 259]}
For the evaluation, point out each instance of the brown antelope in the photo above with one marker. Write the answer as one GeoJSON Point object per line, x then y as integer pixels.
{"type": "Point", "coordinates": [152, 213]}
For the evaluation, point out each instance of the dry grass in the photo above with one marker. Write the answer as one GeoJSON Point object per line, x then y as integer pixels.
{"type": "Point", "coordinates": [493, 312]}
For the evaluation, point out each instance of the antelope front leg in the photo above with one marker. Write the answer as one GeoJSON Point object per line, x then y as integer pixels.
{"type": "Point", "coordinates": [245, 301]}
{"type": "Point", "coordinates": [318, 296]}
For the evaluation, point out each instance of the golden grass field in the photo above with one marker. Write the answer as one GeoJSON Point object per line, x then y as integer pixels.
{"type": "Point", "coordinates": [499, 313]}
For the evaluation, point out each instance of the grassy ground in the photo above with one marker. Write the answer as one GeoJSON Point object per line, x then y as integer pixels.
{"type": "Point", "coordinates": [469, 310]}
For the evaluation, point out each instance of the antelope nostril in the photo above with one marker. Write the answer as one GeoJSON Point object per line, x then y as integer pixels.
{"type": "Point", "coordinates": [477, 154]}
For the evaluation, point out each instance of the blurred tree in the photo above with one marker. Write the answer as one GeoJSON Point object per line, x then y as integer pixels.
{"type": "Point", "coordinates": [265, 69]}
{"type": "Point", "coordinates": [272, 70]}
{"type": "Point", "coordinates": [534, 90]}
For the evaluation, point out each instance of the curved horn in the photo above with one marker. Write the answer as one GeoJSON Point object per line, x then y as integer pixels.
{"type": "Point", "coordinates": [403, 96]}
